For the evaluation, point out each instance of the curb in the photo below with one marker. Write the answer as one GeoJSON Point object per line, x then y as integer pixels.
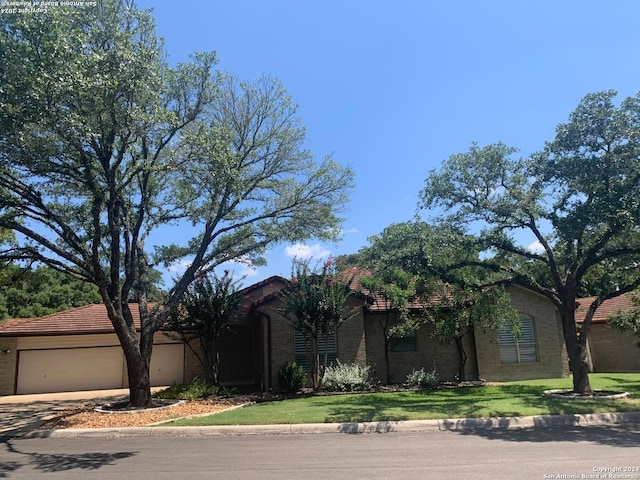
{"type": "Point", "coordinates": [449, 425]}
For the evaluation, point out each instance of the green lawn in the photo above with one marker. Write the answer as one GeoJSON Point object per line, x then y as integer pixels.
{"type": "Point", "coordinates": [509, 399]}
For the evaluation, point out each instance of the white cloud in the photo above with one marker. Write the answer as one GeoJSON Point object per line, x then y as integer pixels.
{"type": "Point", "coordinates": [179, 267]}
{"type": "Point", "coordinates": [536, 247]}
{"type": "Point", "coordinates": [301, 250]}
{"type": "Point", "coordinates": [349, 231]}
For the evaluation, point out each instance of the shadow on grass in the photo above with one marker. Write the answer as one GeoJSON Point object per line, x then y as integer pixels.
{"type": "Point", "coordinates": [494, 401]}
{"type": "Point", "coordinates": [623, 435]}
{"type": "Point", "coordinates": [411, 405]}
{"type": "Point", "coordinates": [46, 462]}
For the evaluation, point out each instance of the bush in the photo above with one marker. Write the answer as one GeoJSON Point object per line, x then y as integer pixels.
{"type": "Point", "coordinates": [344, 377]}
{"type": "Point", "coordinates": [423, 379]}
{"type": "Point", "coordinates": [194, 390]}
{"type": "Point", "coordinates": [291, 377]}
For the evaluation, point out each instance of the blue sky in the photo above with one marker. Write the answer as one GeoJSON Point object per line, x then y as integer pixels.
{"type": "Point", "coordinates": [394, 88]}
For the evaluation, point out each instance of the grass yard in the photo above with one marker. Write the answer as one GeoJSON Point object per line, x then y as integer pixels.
{"type": "Point", "coordinates": [509, 399]}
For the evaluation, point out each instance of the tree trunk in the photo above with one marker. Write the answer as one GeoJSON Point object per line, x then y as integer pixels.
{"type": "Point", "coordinates": [579, 368]}
{"type": "Point", "coordinates": [315, 364]}
{"type": "Point", "coordinates": [576, 349]}
{"type": "Point", "coordinates": [462, 355]}
{"type": "Point", "coordinates": [139, 383]}
{"type": "Point", "coordinates": [387, 342]}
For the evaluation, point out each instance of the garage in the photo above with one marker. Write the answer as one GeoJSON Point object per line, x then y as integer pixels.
{"type": "Point", "coordinates": [78, 350]}
{"type": "Point", "coordinates": [69, 369]}
{"type": "Point", "coordinates": [92, 368]}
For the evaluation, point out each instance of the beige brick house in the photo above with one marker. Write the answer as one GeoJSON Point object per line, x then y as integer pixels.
{"type": "Point", "coordinates": [494, 356]}
{"type": "Point", "coordinates": [78, 350]}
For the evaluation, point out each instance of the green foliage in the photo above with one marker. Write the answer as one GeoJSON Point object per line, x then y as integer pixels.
{"type": "Point", "coordinates": [344, 377]}
{"type": "Point", "coordinates": [393, 290]}
{"type": "Point", "coordinates": [423, 378]}
{"type": "Point", "coordinates": [443, 273]}
{"type": "Point", "coordinates": [579, 198]}
{"type": "Point", "coordinates": [197, 389]}
{"type": "Point", "coordinates": [26, 293]}
{"type": "Point", "coordinates": [103, 144]}
{"type": "Point", "coordinates": [315, 303]}
{"type": "Point", "coordinates": [209, 306]}
{"type": "Point", "coordinates": [291, 377]}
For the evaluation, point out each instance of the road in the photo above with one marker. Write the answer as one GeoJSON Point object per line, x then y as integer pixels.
{"type": "Point", "coordinates": [547, 453]}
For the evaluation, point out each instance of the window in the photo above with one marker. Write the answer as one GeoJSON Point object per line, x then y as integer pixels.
{"type": "Point", "coordinates": [521, 350]}
{"type": "Point", "coordinates": [403, 344]}
{"type": "Point", "coordinates": [301, 353]}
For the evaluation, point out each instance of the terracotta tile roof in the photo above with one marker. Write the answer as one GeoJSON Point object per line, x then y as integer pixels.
{"type": "Point", "coordinates": [81, 320]}
{"type": "Point", "coordinates": [607, 309]}
{"type": "Point", "coordinates": [378, 304]}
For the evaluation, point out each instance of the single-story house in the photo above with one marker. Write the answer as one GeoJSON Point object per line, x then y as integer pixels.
{"type": "Point", "coordinates": [78, 349]}
{"type": "Point", "coordinates": [494, 356]}
{"type": "Point", "coordinates": [610, 349]}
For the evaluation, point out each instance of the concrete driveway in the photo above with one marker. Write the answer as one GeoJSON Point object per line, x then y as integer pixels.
{"type": "Point", "coordinates": [23, 413]}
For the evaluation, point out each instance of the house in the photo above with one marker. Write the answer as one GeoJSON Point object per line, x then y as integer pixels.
{"type": "Point", "coordinates": [494, 356]}
{"type": "Point", "coordinates": [610, 349]}
{"type": "Point", "coordinates": [78, 349]}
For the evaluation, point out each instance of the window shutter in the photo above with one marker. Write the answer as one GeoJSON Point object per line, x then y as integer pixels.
{"type": "Point", "coordinates": [522, 350]}
{"type": "Point", "coordinates": [301, 353]}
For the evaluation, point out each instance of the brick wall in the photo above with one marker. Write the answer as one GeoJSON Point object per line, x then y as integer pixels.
{"type": "Point", "coordinates": [613, 350]}
{"type": "Point", "coordinates": [552, 358]}
{"type": "Point", "coordinates": [350, 341]}
{"type": "Point", "coordinates": [192, 366]}
{"type": "Point", "coordinates": [431, 352]}
{"type": "Point", "coordinates": [282, 350]}
{"type": "Point", "coordinates": [8, 365]}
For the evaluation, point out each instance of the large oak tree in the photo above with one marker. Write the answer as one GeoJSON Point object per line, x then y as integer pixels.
{"type": "Point", "coordinates": [107, 153]}
{"type": "Point", "coordinates": [579, 199]}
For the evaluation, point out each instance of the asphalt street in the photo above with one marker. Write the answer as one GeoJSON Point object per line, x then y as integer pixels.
{"type": "Point", "coordinates": [604, 452]}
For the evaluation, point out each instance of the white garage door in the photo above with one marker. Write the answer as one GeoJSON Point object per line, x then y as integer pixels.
{"type": "Point", "coordinates": [69, 369]}
{"type": "Point", "coordinates": [167, 364]}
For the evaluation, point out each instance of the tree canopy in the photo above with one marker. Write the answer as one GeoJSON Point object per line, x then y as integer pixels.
{"type": "Point", "coordinates": [579, 199]}
{"type": "Point", "coordinates": [210, 306]}
{"type": "Point", "coordinates": [26, 292]}
{"type": "Point", "coordinates": [435, 265]}
{"type": "Point", "coordinates": [315, 303]}
{"type": "Point", "coordinates": [103, 145]}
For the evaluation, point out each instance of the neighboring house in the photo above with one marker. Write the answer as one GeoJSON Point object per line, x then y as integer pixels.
{"type": "Point", "coordinates": [78, 350]}
{"type": "Point", "coordinates": [611, 350]}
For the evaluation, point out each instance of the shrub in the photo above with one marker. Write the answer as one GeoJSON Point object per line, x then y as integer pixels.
{"type": "Point", "coordinates": [291, 377]}
{"type": "Point", "coordinates": [344, 377]}
{"type": "Point", "coordinates": [423, 379]}
{"type": "Point", "coordinates": [194, 390]}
